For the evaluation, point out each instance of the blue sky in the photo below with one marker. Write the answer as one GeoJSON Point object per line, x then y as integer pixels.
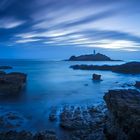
{"type": "Point", "coordinates": [56, 29]}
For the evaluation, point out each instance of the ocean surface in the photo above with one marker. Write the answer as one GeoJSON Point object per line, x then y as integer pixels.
{"type": "Point", "coordinates": [54, 84]}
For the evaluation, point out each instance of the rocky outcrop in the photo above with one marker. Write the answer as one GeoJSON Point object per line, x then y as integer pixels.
{"type": "Point", "coordinates": [91, 57]}
{"type": "Point", "coordinates": [96, 77]}
{"type": "Point", "coordinates": [84, 123]}
{"type": "Point", "coordinates": [124, 115]}
{"type": "Point", "coordinates": [12, 83]}
{"type": "Point", "coordinates": [131, 67]}
{"type": "Point", "coordinates": [53, 114]}
{"type": "Point", "coordinates": [25, 135]}
{"type": "Point", "coordinates": [91, 67]}
{"type": "Point", "coordinates": [11, 120]}
{"type": "Point", "coordinates": [137, 84]}
{"type": "Point", "coordinates": [128, 68]}
{"type": "Point", "coordinates": [2, 73]}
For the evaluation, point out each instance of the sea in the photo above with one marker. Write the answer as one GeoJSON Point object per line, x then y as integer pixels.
{"type": "Point", "coordinates": [54, 84]}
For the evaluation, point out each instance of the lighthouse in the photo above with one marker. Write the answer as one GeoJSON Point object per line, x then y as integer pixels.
{"type": "Point", "coordinates": [94, 52]}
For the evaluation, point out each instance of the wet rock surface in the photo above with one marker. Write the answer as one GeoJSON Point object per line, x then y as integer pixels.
{"type": "Point", "coordinates": [137, 84]}
{"type": "Point", "coordinates": [12, 83]}
{"type": "Point", "coordinates": [2, 73]}
{"type": "Point", "coordinates": [124, 115]}
{"type": "Point", "coordinates": [11, 120]}
{"type": "Point", "coordinates": [84, 123]}
{"type": "Point", "coordinates": [81, 123]}
{"type": "Point", "coordinates": [53, 114]}
{"type": "Point", "coordinates": [128, 68]}
{"type": "Point", "coordinates": [25, 135]}
{"type": "Point", "coordinates": [119, 120]}
{"type": "Point", "coordinates": [91, 67]}
{"type": "Point", "coordinates": [96, 77]}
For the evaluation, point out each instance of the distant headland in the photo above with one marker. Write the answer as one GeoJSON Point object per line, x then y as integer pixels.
{"type": "Point", "coordinates": [91, 57]}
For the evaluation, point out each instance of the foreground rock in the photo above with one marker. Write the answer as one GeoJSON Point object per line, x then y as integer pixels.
{"type": "Point", "coordinates": [24, 135]}
{"type": "Point", "coordinates": [129, 68]}
{"type": "Point", "coordinates": [91, 57]}
{"type": "Point", "coordinates": [12, 83]}
{"type": "Point", "coordinates": [96, 77]}
{"type": "Point", "coordinates": [84, 123]}
{"type": "Point", "coordinates": [124, 118]}
{"type": "Point", "coordinates": [11, 120]}
{"type": "Point", "coordinates": [137, 84]}
{"type": "Point", "coordinates": [2, 73]}
{"type": "Point", "coordinates": [53, 114]}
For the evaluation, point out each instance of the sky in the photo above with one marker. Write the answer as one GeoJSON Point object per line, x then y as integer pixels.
{"type": "Point", "coordinates": [57, 29]}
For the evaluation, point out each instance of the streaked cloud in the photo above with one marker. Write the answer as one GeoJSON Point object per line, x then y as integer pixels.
{"type": "Point", "coordinates": [8, 23]}
{"type": "Point", "coordinates": [104, 24]}
{"type": "Point", "coordinates": [27, 40]}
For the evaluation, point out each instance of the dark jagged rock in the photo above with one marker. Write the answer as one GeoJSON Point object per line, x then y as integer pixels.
{"type": "Point", "coordinates": [91, 57]}
{"type": "Point", "coordinates": [15, 77]}
{"type": "Point", "coordinates": [12, 83]}
{"type": "Point", "coordinates": [96, 77]}
{"type": "Point", "coordinates": [47, 135]}
{"type": "Point", "coordinates": [2, 73]}
{"type": "Point", "coordinates": [5, 67]}
{"type": "Point", "coordinates": [137, 84]}
{"type": "Point", "coordinates": [124, 115]}
{"type": "Point", "coordinates": [128, 68]}
{"type": "Point", "coordinates": [91, 67]}
{"type": "Point", "coordinates": [84, 123]}
{"type": "Point", "coordinates": [131, 67]}
{"type": "Point", "coordinates": [52, 115]}
{"type": "Point", "coordinates": [11, 120]}
{"type": "Point", "coordinates": [25, 135]}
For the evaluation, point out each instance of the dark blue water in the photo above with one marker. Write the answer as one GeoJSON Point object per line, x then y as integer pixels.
{"type": "Point", "coordinates": [52, 83]}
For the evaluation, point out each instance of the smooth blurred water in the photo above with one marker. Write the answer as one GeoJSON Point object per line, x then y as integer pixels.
{"type": "Point", "coordinates": [51, 83]}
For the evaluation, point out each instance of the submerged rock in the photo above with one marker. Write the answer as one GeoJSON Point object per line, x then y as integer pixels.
{"type": "Point", "coordinates": [96, 77]}
{"type": "Point", "coordinates": [137, 84]}
{"type": "Point", "coordinates": [5, 67]}
{"type": "Point", "coordinates": [52, 115]}
{"type": "Point", "coordinates": [128, 68]}
{"type": "Point", "coordinates": [11, 120]}
{"type": "Point", "coordinates": [124, 115]}
{"type": "Point", "coordinates": [12, 83]}
{"type": "Point", "coordinates": [86, 85]}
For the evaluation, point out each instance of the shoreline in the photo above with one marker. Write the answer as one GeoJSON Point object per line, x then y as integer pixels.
{"type": "Point", "coordinates": [55, 116]}
{"type": "Point", "coordinates": [89, 122]}
{"type": "Point", "coordinates": [83, 123]}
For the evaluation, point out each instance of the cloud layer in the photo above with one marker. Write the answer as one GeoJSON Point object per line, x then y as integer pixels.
{"type": "Point", "coordinates": [83, 23]}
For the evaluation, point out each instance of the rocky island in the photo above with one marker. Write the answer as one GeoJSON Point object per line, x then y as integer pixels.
{"type": "Point", "coordinates": [129, 68]}
{"type": "Point", "coordinates": [11, 83]}
{"type": "Point", "coordinates": [91, 57]}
